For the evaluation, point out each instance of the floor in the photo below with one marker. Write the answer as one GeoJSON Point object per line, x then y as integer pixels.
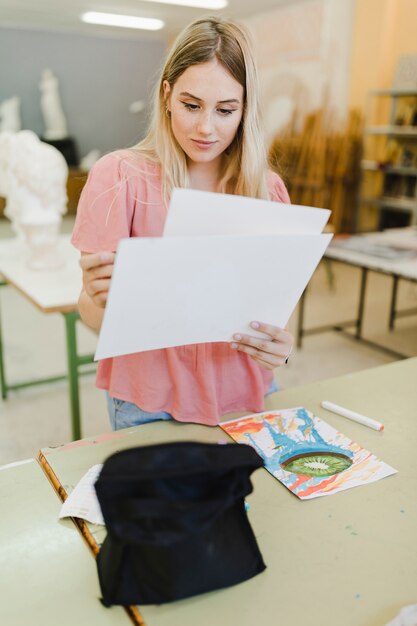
{"type": "Point", "coordinates": [35, 347]}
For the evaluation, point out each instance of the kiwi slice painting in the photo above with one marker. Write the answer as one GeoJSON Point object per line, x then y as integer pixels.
{"type": "Point", "coordinates": [317, 464]}
{"type": "Point", "coordinates": [307, 455]}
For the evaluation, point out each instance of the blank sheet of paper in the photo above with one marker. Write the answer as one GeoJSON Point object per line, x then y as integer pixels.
{"type": "Point", "coordinates": [172, 291]}
{"type": "Point", "coordinates": [193, 213]}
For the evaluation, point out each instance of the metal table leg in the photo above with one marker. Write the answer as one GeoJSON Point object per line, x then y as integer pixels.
{"type": "Point", "coordinates": [300, 328]}
{"type": "Point", "coordinates": [393, 305]}
{"type": "Point", "coordinates": [361, 306]}
{"type": "Point", "coordinates": [74, 362]}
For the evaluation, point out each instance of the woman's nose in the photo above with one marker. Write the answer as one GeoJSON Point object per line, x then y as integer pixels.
{"type": "Point", "coordinates": [205, 123]}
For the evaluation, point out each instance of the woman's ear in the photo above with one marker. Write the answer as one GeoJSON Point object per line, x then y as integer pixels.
{"type": "Point", "coordinates": [167, 92]}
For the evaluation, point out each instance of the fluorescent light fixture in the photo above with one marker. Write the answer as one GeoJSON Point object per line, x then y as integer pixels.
{"type": "Point", "coordinates": [125, 21]}
{"type": "Point", "coordinates": [200, 4]}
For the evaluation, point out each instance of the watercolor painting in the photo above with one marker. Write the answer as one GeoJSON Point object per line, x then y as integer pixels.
{"type": "Point", "coordinates": [307, 455]}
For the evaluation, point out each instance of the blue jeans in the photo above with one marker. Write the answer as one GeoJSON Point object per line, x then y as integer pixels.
{"type": "Point", "coordinates": [124, 414]}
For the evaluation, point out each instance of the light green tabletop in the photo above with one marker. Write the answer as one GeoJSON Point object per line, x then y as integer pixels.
{"type": "Point", "coordinates": [349, 559]}
{"type": "Point", "coordinates": [47, 575]}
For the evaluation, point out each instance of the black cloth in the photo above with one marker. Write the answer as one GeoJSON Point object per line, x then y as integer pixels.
{"type": "Point", "coordinates": [67, 148]}
{"type": "Point", "coordinates": [176, 521]}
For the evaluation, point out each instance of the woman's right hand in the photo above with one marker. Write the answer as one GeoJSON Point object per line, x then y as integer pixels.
{"type": "Point", "coordinates": [97, 272]}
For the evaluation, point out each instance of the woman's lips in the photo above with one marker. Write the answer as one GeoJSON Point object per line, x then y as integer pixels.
{"type": "Point", "coordinates": [203, 145]}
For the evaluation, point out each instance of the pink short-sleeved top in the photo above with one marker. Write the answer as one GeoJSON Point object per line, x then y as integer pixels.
{"type": "Point", "coordinates": [194, 383]}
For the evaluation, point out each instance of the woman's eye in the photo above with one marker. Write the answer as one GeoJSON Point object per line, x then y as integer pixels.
{"type": "Point", "coordinates": [225, 111]}
{"type": "Point", "coordinates": [190, 106]}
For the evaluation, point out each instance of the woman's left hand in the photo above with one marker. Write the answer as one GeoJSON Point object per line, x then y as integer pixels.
{"type": "Point", "coordinates": [269, 352]}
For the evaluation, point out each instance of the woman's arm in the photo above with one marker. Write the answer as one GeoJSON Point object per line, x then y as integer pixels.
{"type": "Point", "coordinates": [97, 272]}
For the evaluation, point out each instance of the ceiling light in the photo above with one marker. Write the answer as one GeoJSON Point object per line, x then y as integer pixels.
{"type": "Point", "coordinates": [201, 4]}
{"type": "Point", "coordinates": [125, 21]}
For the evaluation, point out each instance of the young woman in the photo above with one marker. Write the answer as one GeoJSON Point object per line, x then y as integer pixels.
{"type": "Point", "coordinates": [205, 134]}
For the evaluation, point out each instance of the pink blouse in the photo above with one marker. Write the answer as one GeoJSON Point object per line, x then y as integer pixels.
{"type": "Point", "coordinates": [194, 383]}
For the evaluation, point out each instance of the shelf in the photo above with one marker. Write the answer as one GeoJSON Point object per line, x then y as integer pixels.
{"type": "Point", "coordinates": [397, 141]}
{"type": "Point", "coordinates": [396, 204]}
{"type": "Point", "coordinates": [402, 204]}
{"type": "Point", "coordinates": [395, 131]}
{"type": "Point", "coordinates": [394, 93]}
{"type": "Point", "coordinates": [374, 166]}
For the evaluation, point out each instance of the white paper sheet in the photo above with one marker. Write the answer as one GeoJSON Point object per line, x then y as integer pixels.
{"type": "Point", "coordinates": [305, 453]}
{"type": "Point", "coordinates": [194, 213]}
{"type": "Point", "coordinates": [171, 291]}
{"type": "Point", "coordinates": [82, 501]}
{"type": "Point", "coordinates": [406, 617]}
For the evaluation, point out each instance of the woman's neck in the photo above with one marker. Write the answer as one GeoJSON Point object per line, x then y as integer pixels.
{"type": "Point", "coordinates": [204, 176]}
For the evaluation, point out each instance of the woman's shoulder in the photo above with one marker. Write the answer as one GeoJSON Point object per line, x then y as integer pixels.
{"type": "Point", "coordinates": [126, 160]}
{"type": "Point", "coordinates": [276, 188]}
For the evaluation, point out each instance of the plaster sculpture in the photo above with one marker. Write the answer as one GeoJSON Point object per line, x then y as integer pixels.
{"type": "Point", "coordinates": [33, 178]}
{"type": "Point", "coordinates": [10, 115]}
{"type": "Point", "coordinates": [137, 106]}
{"type": "Point", "coordinates": [89, 159]}
{"type": "Point", "coordinates": [53, 114]}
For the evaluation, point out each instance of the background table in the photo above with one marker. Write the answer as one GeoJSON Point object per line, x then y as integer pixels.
{"type": "Point", "coordinates": [398, 269]}
{"type": "Point", "coordinates": [47, 576]}
{"type": "Point", "coordinates": [346, 559]}
{"type": "Point", "coordinates": [52, 291]}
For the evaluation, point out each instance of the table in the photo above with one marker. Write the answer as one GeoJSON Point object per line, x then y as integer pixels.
{"type": "Point", "coordinates": [345, 559]}
{"type": "Point", "coordinates": [47, 576]}
{"type": "Point", "coordinates": [398, 269]}
{"type": "Point", "coordinates": [52, 291]}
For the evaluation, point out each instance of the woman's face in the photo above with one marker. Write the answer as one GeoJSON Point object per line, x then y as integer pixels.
{"type": "Point", "coordinates": [206, 106]}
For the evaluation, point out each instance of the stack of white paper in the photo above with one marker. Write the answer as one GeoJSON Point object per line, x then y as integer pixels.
{"type": "Point", "coordinates": [199, 213]}
{"type": "Point", "coordinates": [192, 287]}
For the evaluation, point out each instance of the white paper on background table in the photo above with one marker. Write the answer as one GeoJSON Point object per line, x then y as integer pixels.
{"type": "Point", "coordinates": [173, 291]}
{"type": "Point", "coordinates": [201, 213]}
{"type": "Point", "coordinates": [307, 455]}
{"type": "Point", "coordinates": [82, 502]}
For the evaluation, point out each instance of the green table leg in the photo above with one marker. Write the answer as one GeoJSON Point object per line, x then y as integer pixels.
{"type": "Point", "coordinates": [72, 360]}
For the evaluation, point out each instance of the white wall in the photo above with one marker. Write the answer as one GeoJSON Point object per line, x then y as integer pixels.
{"type": "Point", "coordinates": [304, 51]}
{"type": "Point", "coordinates": [99, 78]}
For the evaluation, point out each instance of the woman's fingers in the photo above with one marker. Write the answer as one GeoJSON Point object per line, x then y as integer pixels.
{"type": "Point", "coordinates": [97, 271]}
{"type": "Point", "coordinates": [277, 334]}
{"type": "Point", "coordinates": [266, 360]}
{"type": "Point", "coordinates": [270, 351]}
{"type": "Point", "coordinates": [90, 261]}
{"type": "Point", "coordinates": [97, 287]}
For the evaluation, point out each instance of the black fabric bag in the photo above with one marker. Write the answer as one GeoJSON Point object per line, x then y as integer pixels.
{"type": "Point", "coordinates": [176, 521]}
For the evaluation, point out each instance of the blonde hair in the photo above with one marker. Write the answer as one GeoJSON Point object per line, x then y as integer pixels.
{"type": "Point", "coordinates": [246, 159]}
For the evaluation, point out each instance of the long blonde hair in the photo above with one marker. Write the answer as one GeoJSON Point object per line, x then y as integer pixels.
{"type": "Point", "coordinates": [246, 159]}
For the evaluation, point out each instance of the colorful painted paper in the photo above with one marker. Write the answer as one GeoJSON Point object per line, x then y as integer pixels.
{"type": "Point", "coordinates": [307, 455]}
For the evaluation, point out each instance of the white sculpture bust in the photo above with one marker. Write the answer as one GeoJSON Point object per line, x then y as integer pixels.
{"type": "Point", "coordinates": [10, 115]}
{"type": "Point", "coordinates": [53, 114]}
{"type": "Point", "coordinates": [33, 176]}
